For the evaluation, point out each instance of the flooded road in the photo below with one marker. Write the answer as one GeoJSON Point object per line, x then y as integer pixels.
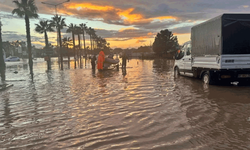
{"type": "Point", "coordinates": [144, 107]}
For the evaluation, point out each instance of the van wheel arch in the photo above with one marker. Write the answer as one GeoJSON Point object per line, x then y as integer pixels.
{"type": "Point", "coordinates": [176, 71]}
{"type": "Point", "coordinates": [177, 68]}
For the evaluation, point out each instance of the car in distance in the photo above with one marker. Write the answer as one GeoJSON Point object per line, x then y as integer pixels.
{"type": "Point", "coordinates": [12, 58]}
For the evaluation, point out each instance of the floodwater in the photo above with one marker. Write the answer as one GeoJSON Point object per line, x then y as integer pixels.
{"type": "Point", "coordinates": [142, 108]}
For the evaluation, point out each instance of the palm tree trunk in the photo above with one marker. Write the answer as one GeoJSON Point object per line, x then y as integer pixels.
{"type": "Point", "coordinates": [68, 56]}
{"type": "Point", "coordinates": [27, 22]}
{"type": "Point", "coordinates": [2, 63]}
{"type": "Point", "coordinates": [84, 45]}
{"type": "Point", "coordinates": [91, 42]}
{"type": "Point", "coordinates": [47, 50]}
{"type": "Point", "coordinates": [73, 37]}
{"type": "Point", "coordinates": [60, 43]}
{"type": "Point", "coordinates": [80, 51]}
{"type": "Point", "coordinates": [96, 43]}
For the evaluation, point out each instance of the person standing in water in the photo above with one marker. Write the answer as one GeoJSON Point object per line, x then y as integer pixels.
{"type": "Point", "coordinates": [93, 59]}
{"type": "Point", "coordinates": [124, 59]}
{"type": "Point", "coordinates": [100, 60]}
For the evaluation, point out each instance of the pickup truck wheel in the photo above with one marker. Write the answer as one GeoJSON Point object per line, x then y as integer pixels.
{"type": "Point", "coordinates": [207, 79]}
{"type": "Point", "coordinates": [176, 72]}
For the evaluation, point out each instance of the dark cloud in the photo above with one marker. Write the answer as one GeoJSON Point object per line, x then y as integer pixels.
{"type": "Point", "coordinates": [13, 36]}
{"type": "Point", "coordinates": [9, 32]}
{"type": "Point", "coordinates": [106, 33]}
{"type": "Point", "coordinates": [182, 30]}
{"type": "Point", "coordinates": [158, 25]}
{"type": "Point", "coordinates": [123, 39]}
{"type": "Point", "coordinates": [132, 33]}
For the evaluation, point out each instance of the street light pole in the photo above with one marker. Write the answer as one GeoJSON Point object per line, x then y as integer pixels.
{"type": "Point", "coordinates": [55, 4]}
{"type": "Point", "coordinates": [56, 10]}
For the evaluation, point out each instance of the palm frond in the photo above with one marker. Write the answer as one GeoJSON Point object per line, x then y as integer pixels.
{"type": "Point", "coordinates": [26, 7]}
{"type": "Point", "coordinates": [18, 12]}
{"type": "Point", "coordinates": [39, 29]}
{"type": "Point", "coordinates": [19, 5]}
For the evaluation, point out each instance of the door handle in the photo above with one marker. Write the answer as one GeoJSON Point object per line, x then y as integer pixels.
{"type": "Point", "coordinates": [183, 59]}
{"type": "Point", "coordinates": [189, 59]}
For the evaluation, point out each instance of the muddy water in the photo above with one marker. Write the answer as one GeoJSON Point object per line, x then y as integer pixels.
{"type": "Point", "coordinates": [144, 107]}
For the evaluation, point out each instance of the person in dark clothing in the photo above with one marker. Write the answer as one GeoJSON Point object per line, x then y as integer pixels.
{"type": "Point", "coordinates": [124, 60]}
{"type": "Point", "coordinates": [93, 59]}
{"type": "Point", "coordinates": [111, 56]}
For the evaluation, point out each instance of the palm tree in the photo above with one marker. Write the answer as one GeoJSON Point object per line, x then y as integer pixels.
{"type": "Point", "coordinates": [27, 9]}
{"type": "Point", "coordinates": [66, 43]}
{"type": "Point", "coordinates": [93, 36]}
{"type": "Point", "coordinates": [89, 32]}
{"type": "Point", "coordinates": [59, 22]}
{"type": "Point", "coordinates": [44, 27]}
{"type": "Point", "coordinates": [78, 32]}
{"type": "Point", "coordinates": [83, 30]}
{"type": "Point", "coordinates": [2, 63]}
{"type": "Point", "coordinates": [95, 40]}
{"type": "Point", "coordinates": [71, 29]}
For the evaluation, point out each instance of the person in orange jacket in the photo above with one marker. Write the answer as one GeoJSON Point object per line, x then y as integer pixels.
{"type": "Point", "coordinates": [100, 60]}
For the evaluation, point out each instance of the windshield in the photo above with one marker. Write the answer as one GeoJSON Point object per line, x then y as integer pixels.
{"type": "Point", "coordinates": [236, 38]}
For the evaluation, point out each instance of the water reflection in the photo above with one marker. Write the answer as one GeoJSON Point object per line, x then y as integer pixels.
{"type": "Point", "coordinates": [140, 107]}
{"type": "Point", "coordinates": [124, 72]}
{"type": "Point", "coordinates": [7, 118]}
{"type": "Point", "coordinates": [217, 114]}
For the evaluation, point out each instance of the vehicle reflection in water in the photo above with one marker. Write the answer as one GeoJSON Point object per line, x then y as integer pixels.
{"type": "Point", "coordinates": [141, 107]}
{"type": "Point", "coordinates": [218, 115]}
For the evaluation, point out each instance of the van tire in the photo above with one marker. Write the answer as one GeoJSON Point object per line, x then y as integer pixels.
{"type": "Point", "coordinates": [206, 78]}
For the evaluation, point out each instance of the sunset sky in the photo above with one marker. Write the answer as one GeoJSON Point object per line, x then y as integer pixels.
{"type": "Point", "coordinates": [125, 24]}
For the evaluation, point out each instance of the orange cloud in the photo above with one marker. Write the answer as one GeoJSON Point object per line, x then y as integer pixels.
{"type": "Point", "coordinates": [129, 28]}
{"type": "Point", "coordinates": [126, 15]}
{"type": "Point", "coordinates": [150, 33]}
{"type": "Point", "coordinates": [165, 18]}
{"type": "Point", "coordinates": [141, 38]}
{"type": "Point", "coordinates": [89, 6]}
{"type": "Point", "coordinates": [62, 11]}
{"type": "Point", "coordinates": [129, 16]}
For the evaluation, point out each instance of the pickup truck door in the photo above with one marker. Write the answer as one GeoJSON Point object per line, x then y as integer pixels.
{"type": "Point", "coordinates": [187, 58]}
{"type": "Point", "coordinates": [181, 61]}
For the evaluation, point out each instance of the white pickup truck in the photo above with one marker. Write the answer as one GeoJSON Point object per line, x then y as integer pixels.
{"type": "Point", "coordinates": [219, 51]}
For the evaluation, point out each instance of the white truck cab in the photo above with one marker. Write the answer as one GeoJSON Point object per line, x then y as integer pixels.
{"type": "Point", "coordinates": [183, 59]}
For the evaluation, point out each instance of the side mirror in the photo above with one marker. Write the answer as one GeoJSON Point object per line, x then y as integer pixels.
{"type": "Point", "coordinates": [176, 55]}
{"type": "Point", "coordinates": [179, 55]}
